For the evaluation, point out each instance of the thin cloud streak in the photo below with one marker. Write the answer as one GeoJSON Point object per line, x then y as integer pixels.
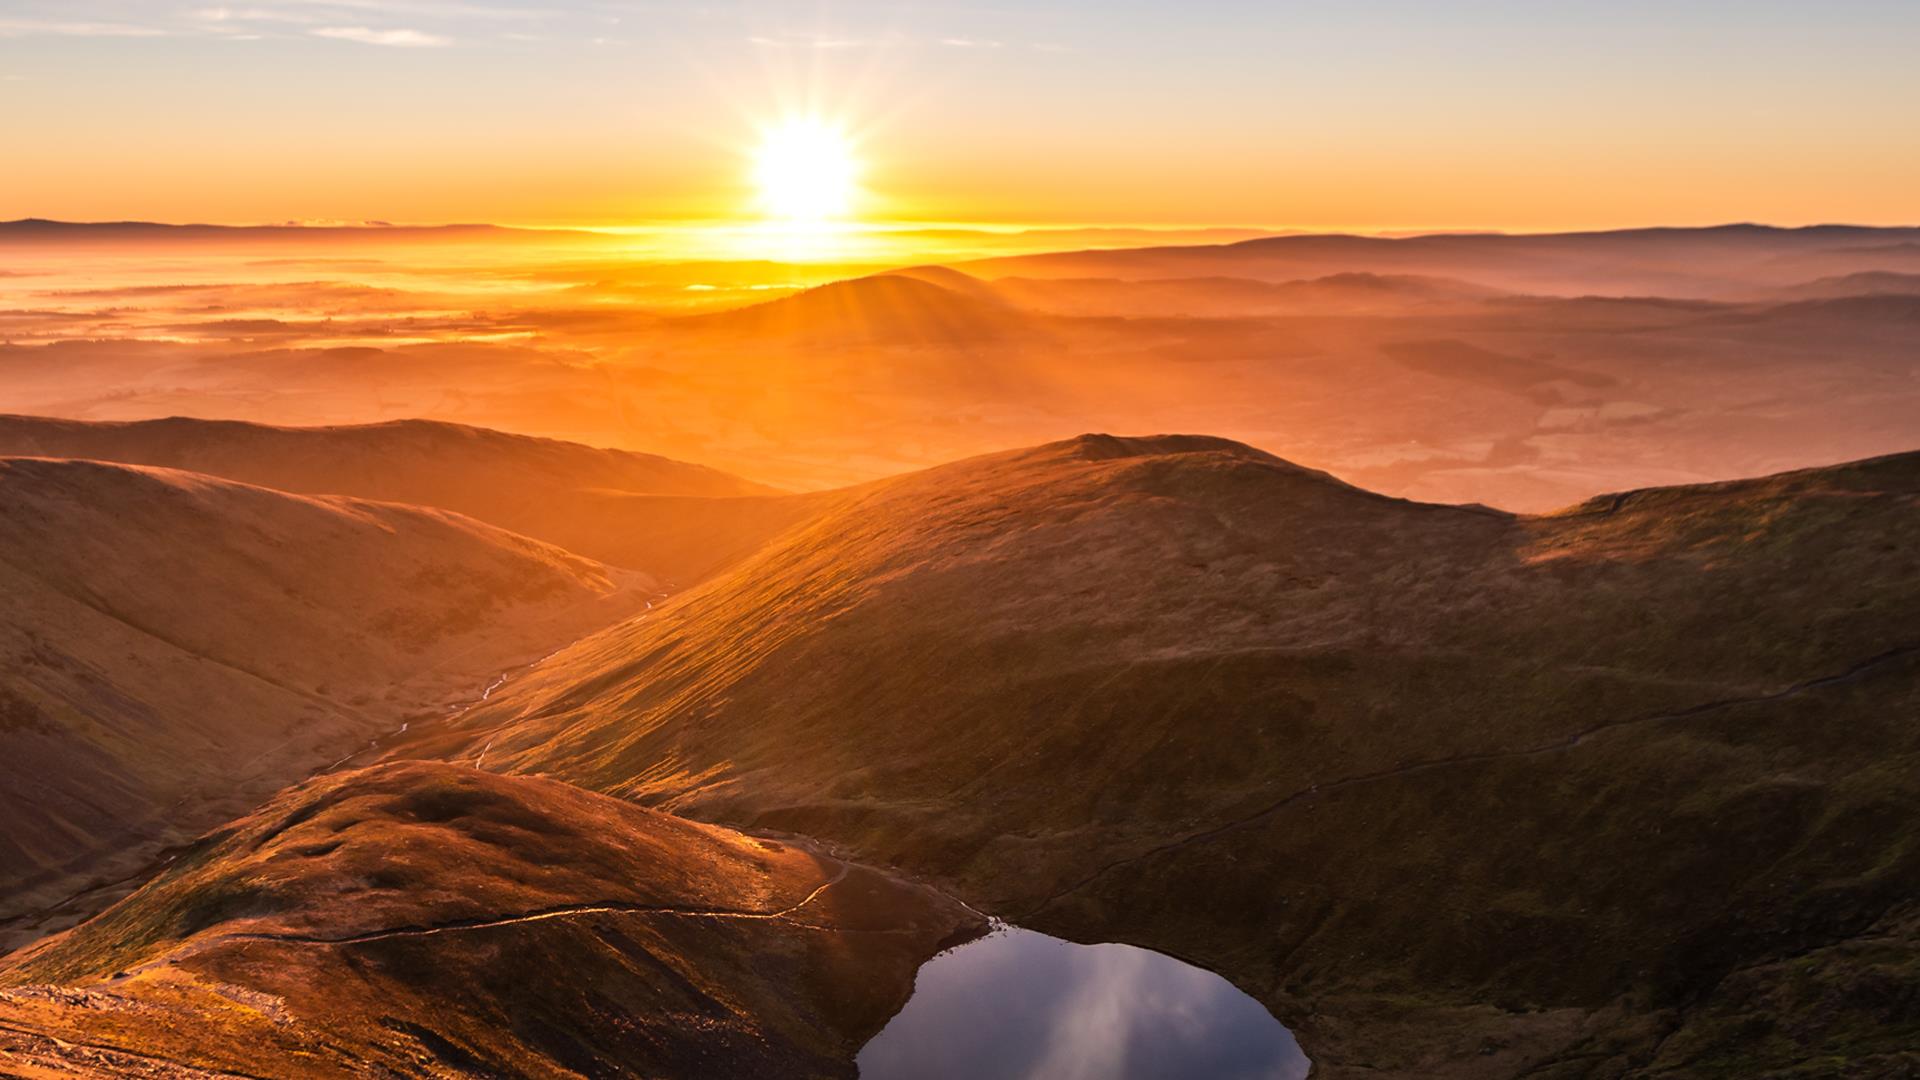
{"type": "Point", "coordinates": [399, 39]}
{"type": "Point", "coordinates": [10, 28]}
{"type": "Point", "coordinates": [219, 16]}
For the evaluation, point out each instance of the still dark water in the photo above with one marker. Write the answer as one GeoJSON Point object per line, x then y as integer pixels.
{"type": "Point", "coordinates": [1018, 1004]}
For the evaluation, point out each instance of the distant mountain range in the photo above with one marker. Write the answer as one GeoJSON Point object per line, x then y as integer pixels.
{"type": "Point", "coordinates": [1717, 261]}
{"type": "Point", "coordinates": [43, 231]}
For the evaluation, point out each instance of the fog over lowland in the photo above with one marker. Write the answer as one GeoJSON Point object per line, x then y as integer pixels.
{"type": "Point", "coordinates": [1524, 372]}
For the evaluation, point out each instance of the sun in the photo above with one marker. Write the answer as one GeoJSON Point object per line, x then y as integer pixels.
{"type": "Point", "coordinates": [806, 171]}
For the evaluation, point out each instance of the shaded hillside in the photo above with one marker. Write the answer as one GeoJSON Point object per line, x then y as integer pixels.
{"type": "Point", "coordinates": [892, 309]}
{"type": "Point", "coordinates": [576, 496]}
{"type": "Point", "coordinates": [686, 537]}
{"type": "Point", "coordinates": [1456, 793]}
{"type": "Point", "coordinates": [174, 647]}
{"type": "Point", "coordinates": [505, 927]}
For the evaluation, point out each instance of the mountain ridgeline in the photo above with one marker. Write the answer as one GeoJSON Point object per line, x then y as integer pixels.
{"type": "Point", "coordinates": [674, 520]}
{"type": "Point", "coordinates": [1455, 792]}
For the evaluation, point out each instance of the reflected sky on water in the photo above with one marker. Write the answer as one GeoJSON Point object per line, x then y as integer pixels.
{"type": "Point", "coordinates": [1020, 1004]}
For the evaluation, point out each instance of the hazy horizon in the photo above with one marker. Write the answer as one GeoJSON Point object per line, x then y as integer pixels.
{"type": "Point", "coordinates": [855, 246]}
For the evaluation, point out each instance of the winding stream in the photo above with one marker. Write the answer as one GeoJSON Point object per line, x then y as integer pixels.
{"type": "Point", "coordinates": [1018, 1004]}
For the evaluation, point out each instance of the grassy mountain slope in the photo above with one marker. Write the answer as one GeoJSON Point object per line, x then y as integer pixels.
{"type": "Point", "coordinates": [1457, 793]}
{"type": "Point", "coordinates": [422, 920]}
{"type": "Point", "coordinates": [176, 647]}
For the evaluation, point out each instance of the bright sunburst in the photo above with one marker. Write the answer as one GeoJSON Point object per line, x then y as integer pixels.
{"type": "Point", "coordinates": [805, 170]}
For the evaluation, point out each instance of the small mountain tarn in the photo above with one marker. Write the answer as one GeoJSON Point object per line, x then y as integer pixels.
{"type": "Point", "coordinates": [1017, 1004]}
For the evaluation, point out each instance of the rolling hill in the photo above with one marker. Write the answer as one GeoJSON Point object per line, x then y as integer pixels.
{"type": "Point", "coordinates": [176, 647]}
{"type": "Point", "coordinates": [423, 920]}
{"type": "Point", "coordinates": [884, 309]}
{"type": "Point", "coordinates": [617, 506]}
{"type": "Point", "coordinates": [1623, 790]}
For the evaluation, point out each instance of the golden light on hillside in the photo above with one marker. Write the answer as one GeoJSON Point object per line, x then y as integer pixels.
{"type": "Point", "coordinates": [805, 171]}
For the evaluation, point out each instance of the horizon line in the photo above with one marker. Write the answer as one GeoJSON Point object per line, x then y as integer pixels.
{"type": "Point", "coordinates": [1006, 228]}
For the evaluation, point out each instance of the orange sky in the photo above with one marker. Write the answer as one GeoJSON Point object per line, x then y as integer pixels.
{"type": "Point", "coordinates": [1382, 114]}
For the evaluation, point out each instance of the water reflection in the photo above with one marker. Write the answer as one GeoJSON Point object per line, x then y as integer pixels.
{"type": "Point", "coordinates": [1020, 1004]}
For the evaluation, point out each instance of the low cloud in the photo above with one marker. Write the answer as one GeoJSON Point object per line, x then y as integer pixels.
{"type": "Point", "coordinates": [399, 39]}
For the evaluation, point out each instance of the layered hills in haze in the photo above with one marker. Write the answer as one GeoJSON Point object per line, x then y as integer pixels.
{"type": "Point", "coordinates": [1694, 362]}
{"type": "Point", "coordinates": [1727, 260]}
{"type": "Point", "coordinates": [1451, 698]}
{"type": "Point", "coordinates": [674, 520]}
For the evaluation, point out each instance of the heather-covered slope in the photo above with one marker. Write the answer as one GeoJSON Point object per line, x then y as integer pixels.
{"type": "Point", "coordinates": [175, 647]}
{"type": "Point", "coordinates": [1618, 791]}
{"type": "Point", "coordinates": [423, 920]}
{"type": "Point", "coordinates": [611, 505]}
